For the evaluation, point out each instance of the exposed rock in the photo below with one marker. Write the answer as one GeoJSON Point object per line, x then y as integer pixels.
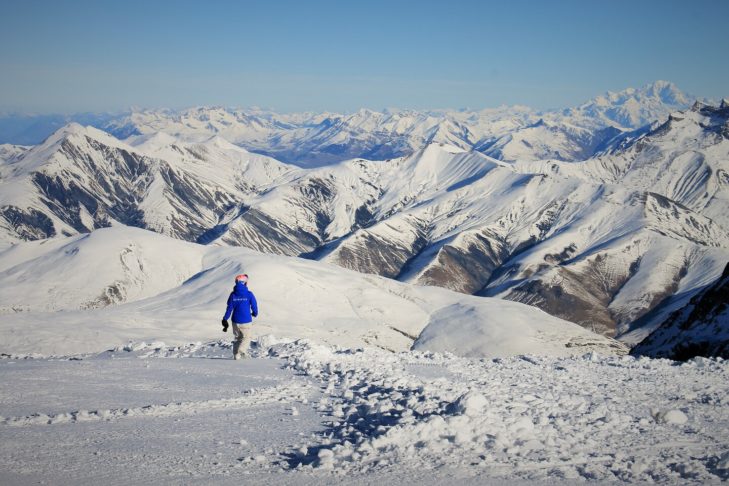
{"type": "Point", "coordinates": [701, 328]}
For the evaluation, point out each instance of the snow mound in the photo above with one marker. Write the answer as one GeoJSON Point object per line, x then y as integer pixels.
{"type": "Point", "coordinates": [471, 404]}
{"type": "Point", "coordinates": [500, 328]}
{"type": "Point", "coordinates": [109, 266]}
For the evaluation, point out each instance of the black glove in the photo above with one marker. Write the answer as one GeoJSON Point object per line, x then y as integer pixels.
{"type": "Point", "coordinates": [254, 314]}
{"type": "Point", "coordinates": [225, 325]}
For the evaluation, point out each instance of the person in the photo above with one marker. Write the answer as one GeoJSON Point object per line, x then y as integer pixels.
{"type": "Point", "coordinates": [242, 307]}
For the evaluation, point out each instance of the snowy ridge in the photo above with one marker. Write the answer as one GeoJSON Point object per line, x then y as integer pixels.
{"type": "Point", "coordinates": [9, 153]}
{"type": "Point", "coordinates": [81, 178]}
{"type": "Point", "coordinates": [683, 159]}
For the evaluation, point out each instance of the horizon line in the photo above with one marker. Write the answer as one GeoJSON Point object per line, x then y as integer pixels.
{"type": "Point", "coordinates": [392, 109]}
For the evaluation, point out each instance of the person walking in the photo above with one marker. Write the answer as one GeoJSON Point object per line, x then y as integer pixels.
{"type": "Point", "coordinates": [242, 307]}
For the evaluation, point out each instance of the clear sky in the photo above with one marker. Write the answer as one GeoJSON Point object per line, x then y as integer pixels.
{"type": "Point", "coordinates": [72, 56]}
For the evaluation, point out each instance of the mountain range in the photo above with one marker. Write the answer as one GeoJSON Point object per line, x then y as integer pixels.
{"type": "Point", "coordinates": [611, 215]}
{"type": "Point", "coordinates": [316, 139]}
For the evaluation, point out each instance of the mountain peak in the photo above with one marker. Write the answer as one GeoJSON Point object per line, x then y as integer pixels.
{"type": "Point", "coordinates": [71, 128]}
{"type": "Point", "coordinates": [74, 130]}
{"type": "Point", "coordinates": [667, 92]}
{"type": "Point", "coordinates": [223, 143]}
{"type": "Point", "coordinates": [660, 91]}
{"type": "Point", "coordinates": [632, 108]}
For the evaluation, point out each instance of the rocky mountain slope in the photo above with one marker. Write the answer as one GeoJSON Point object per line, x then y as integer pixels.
{"type": "Point", "coordinates": [81, 178]}
{"type": "Point", "coordinates": [701, 328]}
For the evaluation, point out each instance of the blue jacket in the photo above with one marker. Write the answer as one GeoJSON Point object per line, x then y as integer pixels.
{"type": "Point", "coordinates": [242, 304]}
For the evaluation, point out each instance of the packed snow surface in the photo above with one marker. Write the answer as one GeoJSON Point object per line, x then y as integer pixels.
{"type": "Point", "coordinates": [305, 413]}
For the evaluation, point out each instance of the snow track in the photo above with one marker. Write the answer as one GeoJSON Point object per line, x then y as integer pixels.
{"type": "Point", "coordinates": [257, 397]}
{"type": "Point", "coordinates": [594, 417]}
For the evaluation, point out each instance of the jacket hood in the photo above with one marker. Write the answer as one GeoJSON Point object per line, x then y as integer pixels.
{"type": "Point", "coordinates": [240, 288]}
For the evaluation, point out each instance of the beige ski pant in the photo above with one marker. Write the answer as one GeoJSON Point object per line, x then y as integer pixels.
{"type": "Point", "coordinates": [242, 334]}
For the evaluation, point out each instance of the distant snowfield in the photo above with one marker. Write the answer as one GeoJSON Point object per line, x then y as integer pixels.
{"type": "Point", "coordinates": [58, 297]}
{"type": "Point", "coordinates": [305, 413]}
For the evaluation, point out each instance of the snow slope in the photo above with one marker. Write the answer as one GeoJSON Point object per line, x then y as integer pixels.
{"type": "Point", "coordinates": [98, 269]}
{"type": "Point", "coordinates": [302, 413]}
{"type": "Point", "coordinates": [477, 331]}
{"type": "Point", "coordinates": [175, 291]}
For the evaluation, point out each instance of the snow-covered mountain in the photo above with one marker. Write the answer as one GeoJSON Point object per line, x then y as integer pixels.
{"type": "Point", "coordinates": [700, 328]}
{"type": "Point", "coordinates": [618, 235]}
{"type": "Point", "coordinates": [671, 190]}
{"type": "Point", "coordinates": [144, 286]}
{"type": "Point", "coordinates": [82, 178]}
{"type": "Point", "coordinates": [624, 237]}
{"type": "Point", "coordinates": [632, 108]}
{"type": "Point", "coordinates": [9, 153]}
{"type": "Point", "coordinates": [508, 133]}
{"type": "Point", "coordinates": [316, 139]}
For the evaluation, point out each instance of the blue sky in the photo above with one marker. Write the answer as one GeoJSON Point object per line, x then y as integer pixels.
{"type": "Point", "coordinates": [72, 56]}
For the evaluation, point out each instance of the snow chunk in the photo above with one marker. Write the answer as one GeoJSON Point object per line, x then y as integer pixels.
{"type": "Point", "coordinates": [675, 417]}
{"type": "Point", "coordinates": [471, 404]}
